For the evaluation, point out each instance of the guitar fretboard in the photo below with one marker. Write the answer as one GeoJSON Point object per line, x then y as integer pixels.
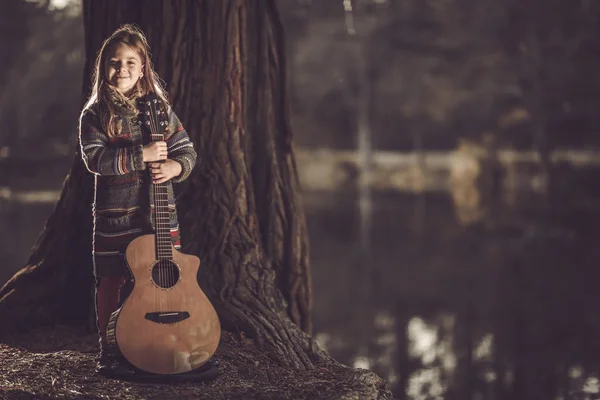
{"type": "Point", "coordinates": [162, 217]}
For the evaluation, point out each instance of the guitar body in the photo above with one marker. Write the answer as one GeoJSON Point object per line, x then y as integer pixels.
{"type": "Point", "coordinates": [166, 325]}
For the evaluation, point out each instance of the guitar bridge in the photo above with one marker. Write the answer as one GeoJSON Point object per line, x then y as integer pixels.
{"type": "Point", "coordinates": [167, 317]}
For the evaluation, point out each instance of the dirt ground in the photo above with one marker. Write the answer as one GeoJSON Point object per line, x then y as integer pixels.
{"type": "Point", "coordinates": [59, 362]}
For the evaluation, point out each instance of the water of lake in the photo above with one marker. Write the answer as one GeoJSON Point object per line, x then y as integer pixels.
{"type": "Point", "coordinates": [501, 305]}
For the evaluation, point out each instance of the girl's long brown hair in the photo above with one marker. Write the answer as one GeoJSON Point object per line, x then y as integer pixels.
{"type": "Point", "coordinates": [131, 36]}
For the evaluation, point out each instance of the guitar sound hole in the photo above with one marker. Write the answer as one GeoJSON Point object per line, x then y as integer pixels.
{"type": "Point", "coordinates": [165, 274]}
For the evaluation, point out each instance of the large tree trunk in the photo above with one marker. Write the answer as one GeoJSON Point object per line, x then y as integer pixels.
{"type": "Point", "coordinates": [223, 62]}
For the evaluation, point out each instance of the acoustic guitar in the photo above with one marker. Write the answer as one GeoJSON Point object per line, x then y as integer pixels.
{"type": "Point", "coordinates": [166, 325]}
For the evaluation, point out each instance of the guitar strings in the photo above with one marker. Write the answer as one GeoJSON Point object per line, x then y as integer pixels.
{"type": "Point", "coordinates": [151, 127]}
{"type": "Point", "coordinates": [164, 200]}
{"type": "Point", "coordinates": [159, 203]}
{"type": "Point", "coordinates": [165, 206]}
{"type": "Point", "coordinates": [159, 265]}
{"type": "Point", "coordinates": [166, 272]}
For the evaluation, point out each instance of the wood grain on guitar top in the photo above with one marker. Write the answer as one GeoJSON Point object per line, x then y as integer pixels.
{"type": "Point", "coordinates": [165, 348]}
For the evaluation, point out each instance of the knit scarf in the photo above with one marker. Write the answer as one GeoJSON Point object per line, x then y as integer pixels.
{"type": "Point", "coordinates": [120, 106]}
{"type": "Point", "coordinates": [125, 106]}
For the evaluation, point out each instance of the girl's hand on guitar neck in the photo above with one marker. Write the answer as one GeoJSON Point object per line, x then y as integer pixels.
{"type": "Point", "coordinates": [155, 151]}
{"type": "Point", "coordinates": [163, 171]}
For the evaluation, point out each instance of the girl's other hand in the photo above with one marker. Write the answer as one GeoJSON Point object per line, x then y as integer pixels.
{"type": "Point", "coordinates": [162, 172]}
{"type": "Point", "coordinates": [155, 151]}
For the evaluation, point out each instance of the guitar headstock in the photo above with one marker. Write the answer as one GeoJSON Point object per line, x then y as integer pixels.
{"type": "Point", "coordinates": [154, 116]}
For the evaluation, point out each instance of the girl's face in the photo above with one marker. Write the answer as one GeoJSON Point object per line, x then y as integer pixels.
{"type": "Point", "coordinates": [123, 68]}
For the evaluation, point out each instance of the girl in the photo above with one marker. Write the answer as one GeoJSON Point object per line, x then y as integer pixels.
{"type": "Point", "coordinates": [119, 153]}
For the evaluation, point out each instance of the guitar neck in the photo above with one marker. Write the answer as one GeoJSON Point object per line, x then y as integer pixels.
{"type": "Point", "coordinates": [162, 216]}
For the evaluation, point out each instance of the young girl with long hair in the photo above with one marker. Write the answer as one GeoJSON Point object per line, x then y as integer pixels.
{"type": "Point", "coordinates": [117, 150]}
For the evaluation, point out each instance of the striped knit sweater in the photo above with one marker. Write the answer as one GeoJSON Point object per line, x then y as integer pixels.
{"type": "Point", "coordinates": [123, 194]}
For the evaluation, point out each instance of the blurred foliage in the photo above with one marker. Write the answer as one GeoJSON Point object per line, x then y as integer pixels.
{"type": "Point", "coordinates": [437, 71]}
{"type": "Point", "coordinates": [433, 74]}
{"type": "Point", "coordinates": [40, 85]}
{"type": "Point", "coordinates": [12, 32]}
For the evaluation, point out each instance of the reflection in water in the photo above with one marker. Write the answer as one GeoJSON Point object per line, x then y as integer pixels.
{"type": "Point", "coordinates": [492, 299]}
{"type": "Point", "coordinates": [435, 356]}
